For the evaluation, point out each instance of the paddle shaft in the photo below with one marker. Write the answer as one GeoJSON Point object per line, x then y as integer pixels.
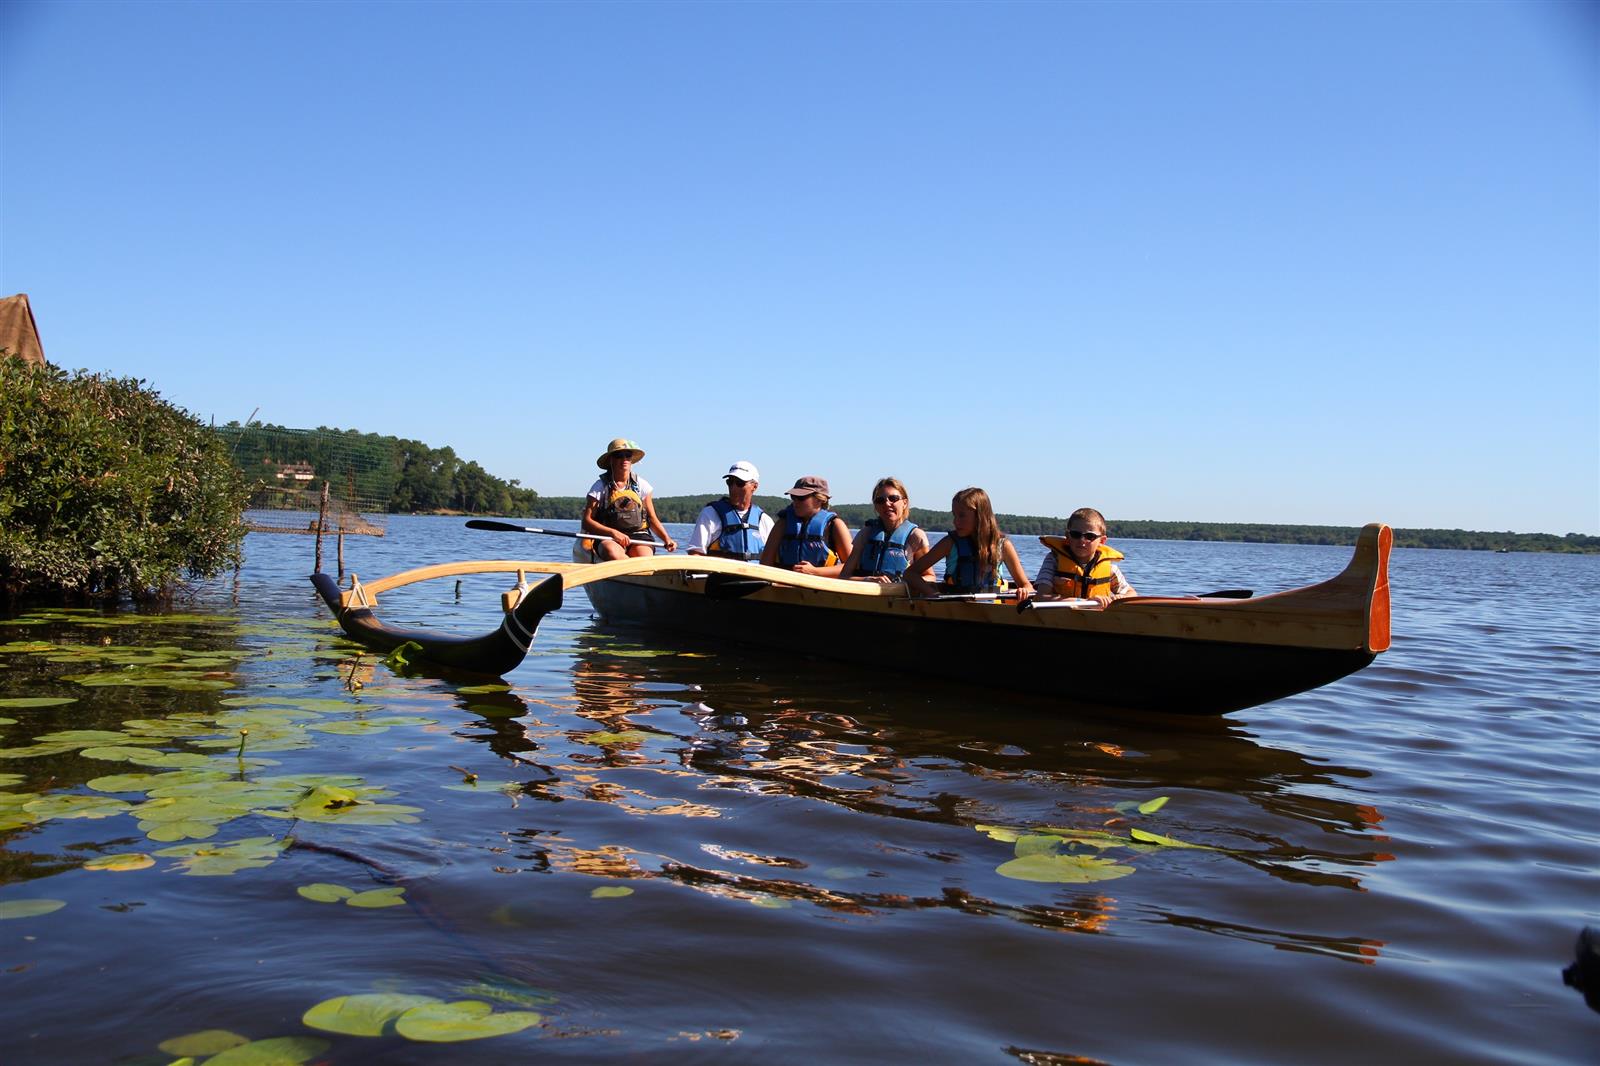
{"type": "Point", "coordinates": [507, 527]}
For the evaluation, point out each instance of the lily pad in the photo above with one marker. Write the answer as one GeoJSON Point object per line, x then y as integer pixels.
{"type": "Point", "coordinates": [474, 690]}
{"type": "Point", "coordinates": [363, 1015]}
{"type": "Point", "coordinates": [378, 897]}
{"type": "Point", "coordinates": [205, 1042]}
{"type": "Point", "coordinates": [630, 736]}
{"type": "Point", "coordinates": [7, 780]}
{"type": "Point", "coordinates": [466, 1019]}
{"type": "Point", "coordinates": [1166, 842]}
{"type": "Point", "coordinates": [71, 806]}
{"type": "Point", "coordinates": [36, 701]}
{"type": "Point", "coordinates": [1062, 869]}
{"type": "Point", "coordinates": [220, 860]}
{"type": "Point", "coordinates": [323, 892]}
{"type": "Point", "coordinates": [29, 908]}
{"type": "Point", "coordinates": [611, 892]}
{"type": "Point", "coordinates": [278, 1051]}
{"type": "Point", "coordinates": [128, 860]}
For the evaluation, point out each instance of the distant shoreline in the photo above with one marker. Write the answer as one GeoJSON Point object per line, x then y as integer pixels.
{"type": "Point", "coordinates": [684, 509]}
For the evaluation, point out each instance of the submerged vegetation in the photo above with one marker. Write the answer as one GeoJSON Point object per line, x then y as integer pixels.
{"type": "Point", "coordinates": [107, 490]}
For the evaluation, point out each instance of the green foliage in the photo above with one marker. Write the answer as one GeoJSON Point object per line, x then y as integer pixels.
{"type": "Point", "coordinates": [400, 476]}
{"type": "Point", "coordinates": [415, 478]}
{"type": "Point", "coordinates": [687, 509]}
{"type": "Point", "coordinates": [106, 489]}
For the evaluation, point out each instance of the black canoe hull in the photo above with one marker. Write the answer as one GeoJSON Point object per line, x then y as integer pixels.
{"type": "Point", "coordinates": [1087, 668]}
{"type": "Point", "coordinates": [493, 654]}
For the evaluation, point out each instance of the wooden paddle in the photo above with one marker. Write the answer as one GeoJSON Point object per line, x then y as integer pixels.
{"type": "Point", "coordinates": [507, 527]}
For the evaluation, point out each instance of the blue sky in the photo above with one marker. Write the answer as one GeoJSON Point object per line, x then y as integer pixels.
{"type": "Point", "coordinates": [1275, 262]}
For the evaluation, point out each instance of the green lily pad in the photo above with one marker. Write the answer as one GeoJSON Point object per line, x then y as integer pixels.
{"type": "Point", "coordinates": [1152, 806]}
{"type": "Point", "coordinates": [466, 1019]}
{"type": "Point", "coordinates": [1166, 842]}
{"type": "Point", "coordinates": [123, 861]}
{"type": "Point", "coordinates": [495, 710]}
{"type": "Point", "coordinates": [323, 892]}
{"type": "Point", "coordinates": [363, 1015]}
{"type": "Point", "coordinates": [29, 908]}
{"type": "Point", "coordinates": [7, 780]}
{"type": "Point", "coordinates": [71, 806]}
{"type": "Point", "coordinates": [185, 829]}
{"type": "Point", "coordinates": [475, 690]}
{"type": "Point", "coordinates": [220, 860]}
{"type": "Point", "coordinates": [147, 782]}
{"type": "Point", "coordinates": [205, 1042]}
{"type": "Point", "coordinates": [611, 892]}
{"type": "Point", "coordinates": [630, 736]}
{"type": "Point", "coordinates": [279, 1051]}
{"type": "Point", "coordinates": [36, 701]}
{"type": "Point", "coordinates": [378, 897]}
{"type": "Point", "coordinates": [1062, 869]}
{"type": "Point", "coordinates": [147, 757]}
{"type": "Point", "coordinates": [83, 738]}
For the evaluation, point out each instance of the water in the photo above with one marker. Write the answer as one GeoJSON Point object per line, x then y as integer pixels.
{"type": "Point", "coordinates": [1399, 862]}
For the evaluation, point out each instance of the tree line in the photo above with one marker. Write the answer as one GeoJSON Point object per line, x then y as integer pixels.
{"type": "Point", "coordinates": [407, 477]}
{"type": "Point", "coordinates": [687, 509]}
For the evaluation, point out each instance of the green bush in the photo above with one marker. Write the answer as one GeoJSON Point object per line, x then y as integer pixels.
{"type": "Point", "coordinates": [106, 489]}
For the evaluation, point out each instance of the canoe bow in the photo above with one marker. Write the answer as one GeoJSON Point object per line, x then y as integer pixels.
{"type": "Point", "coordinates": [494, 653]}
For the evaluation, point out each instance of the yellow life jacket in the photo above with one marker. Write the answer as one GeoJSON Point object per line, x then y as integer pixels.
{"type": "Point", "coordinates": [1074, 578]}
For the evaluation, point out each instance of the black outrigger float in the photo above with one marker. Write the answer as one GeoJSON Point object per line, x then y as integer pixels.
{"type": "Point", "coordinates": [1185, 654]}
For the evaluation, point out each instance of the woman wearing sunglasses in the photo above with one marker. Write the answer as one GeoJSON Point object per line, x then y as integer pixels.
{"type": "Point", "coordinates": [1081, 564]}
{"type": "Point", "coordinates": [888, 543]}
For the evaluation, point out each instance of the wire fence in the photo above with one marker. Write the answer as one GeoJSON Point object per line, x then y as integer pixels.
{"type": "Point", "coordinates": [290, 471]}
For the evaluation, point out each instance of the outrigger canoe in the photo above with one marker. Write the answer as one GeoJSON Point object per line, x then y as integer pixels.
{"type": "Point", "coordinates": [1184, 654]}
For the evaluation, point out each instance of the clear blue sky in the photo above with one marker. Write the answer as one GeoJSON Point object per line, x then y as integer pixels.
{"type": "Point", "coordinates": [1278, 262]}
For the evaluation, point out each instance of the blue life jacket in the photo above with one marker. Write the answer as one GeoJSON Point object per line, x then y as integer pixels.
{"type": "Point", "coordinates": [961, 569]}
{"type": "Point", "coordinates": [886, 556]}
{"type": "Point", "coordinates": [741, 537]}
{"type": "Point", "coordinates": [809, 543]}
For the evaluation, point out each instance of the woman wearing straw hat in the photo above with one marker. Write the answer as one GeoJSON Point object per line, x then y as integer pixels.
{"type": "Point", "coordinates": [621, 503]}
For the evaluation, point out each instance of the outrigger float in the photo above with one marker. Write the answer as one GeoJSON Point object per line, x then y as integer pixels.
{"type": "Point", "coordinates": [1184, 654]}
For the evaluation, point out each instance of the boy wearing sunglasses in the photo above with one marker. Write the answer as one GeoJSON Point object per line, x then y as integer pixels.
{"type": "Point", "coordinates": [1081, 564]}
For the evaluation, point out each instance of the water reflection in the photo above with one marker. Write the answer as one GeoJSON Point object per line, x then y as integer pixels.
{"type": "Point", "coordinates": [733, 739]}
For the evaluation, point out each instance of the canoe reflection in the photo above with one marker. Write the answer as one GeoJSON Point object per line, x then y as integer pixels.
{"type": "Point", "coordinates": [731, 740]}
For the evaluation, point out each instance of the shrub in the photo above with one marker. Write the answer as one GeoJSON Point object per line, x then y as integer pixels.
{"type": "Point", "coordinates": [106, 489]}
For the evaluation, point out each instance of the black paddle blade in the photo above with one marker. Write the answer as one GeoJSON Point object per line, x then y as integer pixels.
{"type": "Point", "coordinates": [1228, 594]}
{"type": "Point", "coordinates": [732, 586]}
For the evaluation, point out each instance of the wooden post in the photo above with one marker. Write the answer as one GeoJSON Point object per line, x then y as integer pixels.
{"type": "Point", "coordinates": [341, 550]}
{"type": "Point", "coordinates": [322, 518]}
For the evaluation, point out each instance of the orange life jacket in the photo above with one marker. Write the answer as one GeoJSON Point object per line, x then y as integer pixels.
{"type": "Point", "coordinates": [1077, 579]}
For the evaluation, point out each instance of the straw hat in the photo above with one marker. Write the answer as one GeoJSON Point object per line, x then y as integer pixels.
{"type": "Point", "coordinates": [620, 444]}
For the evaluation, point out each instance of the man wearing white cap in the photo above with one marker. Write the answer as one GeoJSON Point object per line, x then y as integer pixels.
{"type": "Point", "coordinates": [733, 527]}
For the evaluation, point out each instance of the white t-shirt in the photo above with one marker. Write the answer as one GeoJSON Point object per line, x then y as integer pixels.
{"type": "Point", "coordinates": [708, 527]}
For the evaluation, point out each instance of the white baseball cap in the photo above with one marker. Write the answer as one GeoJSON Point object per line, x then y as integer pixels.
{"type": "Point", "coordinates": [744, 470]}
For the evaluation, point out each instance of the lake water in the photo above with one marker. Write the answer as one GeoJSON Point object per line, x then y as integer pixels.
{"type": "Point", "coordinates": [688, 852]}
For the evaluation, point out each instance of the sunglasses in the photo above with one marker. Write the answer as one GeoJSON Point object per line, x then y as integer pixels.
{"type": "Point", "coordinates": [736, 482]}
{"type": "Point", "coordinates": [887, 497]}
{"type": "Point", "coordinates": [1078, 534]}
